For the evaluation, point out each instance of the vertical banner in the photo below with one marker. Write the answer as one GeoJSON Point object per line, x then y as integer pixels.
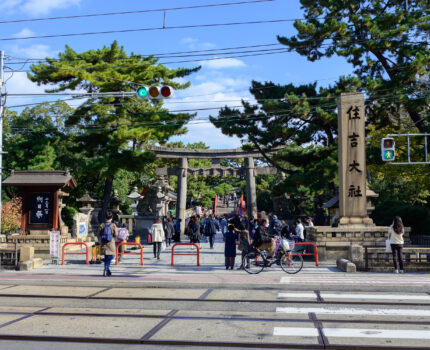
{"type": "Point", "coordinates": [54, 245]}
{"type": "Point", "coordinates": [352, 159]}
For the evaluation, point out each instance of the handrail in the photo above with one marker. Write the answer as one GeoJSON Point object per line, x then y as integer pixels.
{"type": "Point", "coordinates": [129, 243]}
{"type": "Point", "coordinates": [315, 247]}
{"type": "Point", "coordinates": [190, 244]}
{"type": "Point", "coordinates": [75, 243]}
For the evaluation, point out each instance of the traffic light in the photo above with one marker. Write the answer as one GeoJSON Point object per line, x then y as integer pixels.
{"type": "Point", "coordinates": [388, 149]}
{"type": "Point", "coordinates": [155, 92]}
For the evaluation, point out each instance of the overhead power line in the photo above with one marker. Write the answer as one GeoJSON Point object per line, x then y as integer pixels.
{"type": "Point", "coordinates": [133, 12]}
{"type": "Point", "coordinates": [149, 29]}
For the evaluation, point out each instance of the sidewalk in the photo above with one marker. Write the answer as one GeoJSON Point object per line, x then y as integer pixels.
{"type": "Point", "coordinates": [211, 272]}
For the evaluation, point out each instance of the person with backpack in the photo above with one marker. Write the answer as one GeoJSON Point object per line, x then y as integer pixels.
{"type": "Point", "coordinates": [211, 228]}
{"type": "Point", "coordinates": [158, 237]}
{"type": "Point", "coordinates": [107, 234]}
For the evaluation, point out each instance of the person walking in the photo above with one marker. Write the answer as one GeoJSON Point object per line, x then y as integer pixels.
{"type": "Point", "coordinates": [223, 224]}
{"type": "Point", "coordinates": [170, 230]}
{"type": "Point", "coordinates": [158, 237]}
{"type": "Point", "coordinates": [211, 227]}
{"type": "Point", "coordinates": [230, 247]}
{"type": "Point", "coordinates": [194, 230]}
{"type": "Point", "coordinates": [107, 234]}
{"type": "Point", "coordinates": [395, 235]}
{"type": "Point", "coordinates": [177, 237]}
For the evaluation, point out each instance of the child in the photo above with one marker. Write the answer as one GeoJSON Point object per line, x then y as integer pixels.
{"type": "Point", "coordinates": [230, 247]}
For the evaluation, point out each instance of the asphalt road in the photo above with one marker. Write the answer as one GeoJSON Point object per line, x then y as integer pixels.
{"type": "Point", "coordinates": [61, 316]}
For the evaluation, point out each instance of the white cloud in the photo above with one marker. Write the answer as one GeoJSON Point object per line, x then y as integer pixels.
{"type": "Point", "coordinates": [43, 7]}
{"type": "Point", "coordinates": [223, 63]}
{"type": "Point", "coordinates": [36, 7]}
{"type": "Point", "coordinates": [196, 44]}
{"type": "Point", "coordinates": [212, 89]}
{"type": "Point", "coordinates": [23, 33]}
{"type": "Point", "coordinates": [34, 51]}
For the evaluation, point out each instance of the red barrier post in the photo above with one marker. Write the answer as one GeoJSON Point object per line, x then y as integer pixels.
{"type": "Point", "coordinates": [75, 243]}
{"type": "Point", "coordinates": [129, 243]}
{"type": "Point", "coordinates": [315, 247]}
{"type": "Point", "coordinates": [189, 244]}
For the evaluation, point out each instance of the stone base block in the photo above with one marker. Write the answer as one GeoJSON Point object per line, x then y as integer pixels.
{"type": "Point", "coordinates": [26, 265]}
{"type": "Point", "coordinates": [37, 262]}
{"type": "Point", "coordinates": [346, 265]}
{"type": "Point", "coordinates": [26, 253]}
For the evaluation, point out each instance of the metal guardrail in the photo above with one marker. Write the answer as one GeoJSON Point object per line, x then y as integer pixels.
{"type": "Point", "coordinates": [129, 243]}
{"type": "Point", "coordinates": [74, 253]}
{"type": "Point", "coordinates": [315, 253]}
{"type": "Point", "coordinates": [186, 244]}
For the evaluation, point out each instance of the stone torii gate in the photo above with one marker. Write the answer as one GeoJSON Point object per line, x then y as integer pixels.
{"type": "Point", "coordinates": [182, 171]}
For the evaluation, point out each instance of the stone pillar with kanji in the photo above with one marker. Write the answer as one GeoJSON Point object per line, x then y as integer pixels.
{"type": "Point", "coordinates": [352, 161]}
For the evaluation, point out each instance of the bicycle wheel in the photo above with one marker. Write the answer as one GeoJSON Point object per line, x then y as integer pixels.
{"type": "Point", "coordinates": [291, 263]}
{"type": "Point", "coordinates": [253, 262]}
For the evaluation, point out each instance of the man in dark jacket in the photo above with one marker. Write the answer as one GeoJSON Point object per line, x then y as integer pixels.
{"type": "Point", "coordinates": [211, 228]}
{"type": "Point", "coordinates": [263, 241]}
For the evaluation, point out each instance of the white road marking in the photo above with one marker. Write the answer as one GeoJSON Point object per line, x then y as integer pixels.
{"type": "Point", "coordinates": [395, 297]}
{"type": "Point", "coordinates": [376, 333]}
{"type": "Point", "coordinates": [299, 296]}
{"type": "Point", "coordinates": [296, 331]}
{"type": "Point", "coordinates": [353, 333]}
{"type": "Point", "coordinates": [353, 311]}
{"type": "Point", "coordinates": [285, 280]}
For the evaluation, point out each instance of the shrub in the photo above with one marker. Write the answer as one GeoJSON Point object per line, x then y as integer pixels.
{"type": "Point", "coordinates": [11, 215]}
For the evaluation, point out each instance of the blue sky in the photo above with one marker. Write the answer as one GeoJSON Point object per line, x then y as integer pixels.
{"type": "Point", "coordinates": [218, 83]}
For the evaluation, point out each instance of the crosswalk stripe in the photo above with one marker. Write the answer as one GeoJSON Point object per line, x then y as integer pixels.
{"type": "Point", "coordinates": [352, 333]}
{"type": "Point", "coordinates": [396, 297]}
{"type": "Point", "coordinates": [353, 311]}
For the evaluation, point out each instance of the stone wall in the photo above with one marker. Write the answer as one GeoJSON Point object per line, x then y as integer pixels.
{"type": "Point", "coordinates": [334, 242]}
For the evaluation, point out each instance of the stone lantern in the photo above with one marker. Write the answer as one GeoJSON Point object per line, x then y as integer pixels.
{"type": "Point", "coordinates": [134, 196]}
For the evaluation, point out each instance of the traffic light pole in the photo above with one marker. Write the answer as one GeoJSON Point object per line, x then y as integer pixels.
{"type": "Point", "coordinates": [409, 148]}
{"type": "Point", "coordinates": [1, 127]}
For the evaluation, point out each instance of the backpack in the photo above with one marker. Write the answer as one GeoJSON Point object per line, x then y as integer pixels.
{"type": "Point", "coordinates": [107, 233]}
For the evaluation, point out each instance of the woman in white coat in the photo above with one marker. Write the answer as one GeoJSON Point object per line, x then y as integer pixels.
{"type": "Point", "coordinates": [158, 237]}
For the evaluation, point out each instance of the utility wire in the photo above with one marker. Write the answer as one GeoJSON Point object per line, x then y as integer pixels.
{"type": "Point", "coordinates": [133, 12]}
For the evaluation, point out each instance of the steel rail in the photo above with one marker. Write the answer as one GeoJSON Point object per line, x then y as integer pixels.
{"type": "Point", "coordinates": [262, 301]}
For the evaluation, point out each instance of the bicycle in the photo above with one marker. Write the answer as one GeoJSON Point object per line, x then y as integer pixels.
{"type": "Point", "coordinates": [255, 260]}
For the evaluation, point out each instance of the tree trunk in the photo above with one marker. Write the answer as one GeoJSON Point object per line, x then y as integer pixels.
{"type": "Point", "coordinates": [106, 198]}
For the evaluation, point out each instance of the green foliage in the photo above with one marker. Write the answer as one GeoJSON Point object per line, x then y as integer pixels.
{"type": "Point", "coordinates": [67, 214]}
{"type": "Point", "coordinates": [414, 216]}
{"type": "Point", "coordinates": [111, 131]}
{"type": "Point", "coordinates": [223, 189]}
{"type": "Point", "coordinates": [385, 41]}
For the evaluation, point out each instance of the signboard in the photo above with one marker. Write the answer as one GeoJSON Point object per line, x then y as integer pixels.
{"type": "Point", "coordinates": [54, 245]}
{"type": "Point", "coordinates": [40, 208]}
{"type": "Point", "coordinates": [352, 159]}
{"type": "Point", "coordinates": [82, 229]}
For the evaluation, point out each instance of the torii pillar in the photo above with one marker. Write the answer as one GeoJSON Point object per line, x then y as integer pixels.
{"type": "Point", "coordinates": [251, 193]}
{"type": "Point", "coordinates": [181, 202]}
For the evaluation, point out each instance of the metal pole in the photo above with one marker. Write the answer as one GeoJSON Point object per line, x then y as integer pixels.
{"type": "Point", "coordinates": [1, 126]}
{"type": "Point", "coordinates": [409, 150]}
{"type": "Point", "coordinates": [425, 145]}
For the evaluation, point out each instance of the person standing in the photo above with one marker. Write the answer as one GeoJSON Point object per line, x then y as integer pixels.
{"type": "Point", "coordinates": [122, 237]}
{"type": "Point", "coordinates": [300, 231]}
{"type": "Point", "coordinates": [158, 237]}
{"type": "Point", "coordinates": [230, 247]}
{"type": "Point", "coordinates": [194, 229]}
{"type": "Point", "coordinates": [245, 244]}
{"type": "Point", "coordinates": [395, 235]}
{"type": "Point", "coordinates": [107, 234]}
{"type": "Point", "coordinates": [177, 237]}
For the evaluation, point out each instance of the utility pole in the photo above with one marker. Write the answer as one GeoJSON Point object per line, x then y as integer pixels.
{"type": "Point", "coordinates": [1, 126]}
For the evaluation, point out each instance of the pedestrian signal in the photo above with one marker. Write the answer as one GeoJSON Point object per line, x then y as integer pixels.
{"type": "Point", "coordinates": [388, 149]}
{"type": "Point", "coordinates": [155, 92]}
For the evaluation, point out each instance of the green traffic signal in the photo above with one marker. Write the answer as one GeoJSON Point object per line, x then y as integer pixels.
{"type": "Point", "coordinates": [142, 92]}
{"type": "Point", "coordinates": [388, 155]}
